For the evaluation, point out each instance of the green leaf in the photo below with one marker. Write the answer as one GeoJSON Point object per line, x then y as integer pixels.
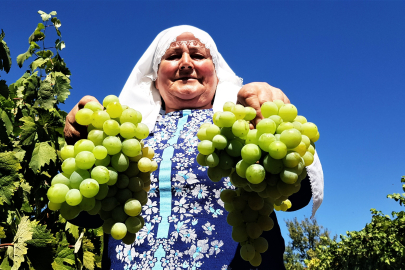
{"type": "Point", "coordinates": [24, 56]}
{"type": "Point", "coordinates": [22, 235]}
{"type": "Point", "coordinates": [41, 236]}
{"type": "Point", "coordinates": [9, 180]}
{"type": "Point", "coordinates": [65, 258]}
{"type": "Point", "coordinates": [29, 131]}
{"type": "Point", "coordinates": [40, 26]}
{"type": "Point", "coordinates": [53, 13]}
{"type": "Point", "coordinates": [43, 154]}
{"type": "Point", "coordinates": [38, 63]}
{"type": "Point", "coordinates": [5, 59]}
{"type": "Point", "coordinates": [45, 54]}
{"type": "Point", "coordinates": [7, 122]}
{"type": "Point", "coordinates": [56, 22]}
{"type": "Point", "coordinates": [88, 255]}
{"type": "Point", "coordinates": [73, 229]}
{"type": "Point", "coordinates": [45, 16]}
{"type": "Point", "coordinates": [5, 265]}
{"type": "Point", "coordinates": [61, 87]}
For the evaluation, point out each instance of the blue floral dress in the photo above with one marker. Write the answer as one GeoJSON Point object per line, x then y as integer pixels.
{"type": "Point", "coordinates": [185, 220]}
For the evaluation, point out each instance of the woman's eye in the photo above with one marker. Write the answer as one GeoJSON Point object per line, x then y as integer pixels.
{"type": "Point", "coordinates": [173, 57]}
{"type": "Point", "coordinates": [197, 56]}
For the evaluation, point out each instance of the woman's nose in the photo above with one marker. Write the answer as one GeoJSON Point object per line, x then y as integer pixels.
{"type": "Point", "coordinates": [186, 62]}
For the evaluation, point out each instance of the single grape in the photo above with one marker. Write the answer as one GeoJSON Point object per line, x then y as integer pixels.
{"type": "Point", "coordinates": [113, 145]}
{"type": "Point", "coordinates": [273, 166]}
{"type": "Point", "coordinates": [118, 214]}
{"type": "Point", "coordinates": [57, 193]}
{"type": "Point", "coordinates": [291, 159]}
{"type": "Point", "coordinates": [130, 115]}
{"type": "Point", "coordinates": [89, 188]}
{"type": "Point", "coordinates": [250, 113]}
{"type": "Point", "coordinates": [100, 152]}
{"type": "Point", "coordinates": [69, 166]}
{"type": "Point", "coordinates": [93, 105]}
{"type": "Point", "coordinates": [234, 148]}
{"type": "Point", "coordinates": [129, 238]}
{"type": "Point", "coordinates": [266, 223]}
{"type": "Point", "coordinates": [251, 153]}
{"type": "Point", "coordinates": [300, 119]}
{"type": "Point", "coordinates": [308, 158]}
{"type": "Point", "coordinates": [309, 129]}
{"type": "Point", "coordinates": [297, 126]}
{"type": "Point", "coordinates": [228, 106]}
{"type": "Point", "coordinates": [61, 178]}
{"type": "Point", "coordinates": [219, 142]}
{"type": "Point", "coordinates": [277, 150]}
{"type": "Point", "coordinates": [212, 160]}
{"type": "Point", "coordinates": [206, 147]}
{"type": "Point", "coordinates": [67, 151]}
{"type": "Point", "coordinates": [239, 111]}
{"type": "Point", "coordinates": [83, 145]}
{"type": "Point", "coordinates": [144, 164]}
{"type": "Point", "coordinates": [111, 127]}
{"type": "Point", "coordinates": [265, 140]}
{"type": "Point", "coordinates": [133, 224]}
{"type": "Point", "coordinates": [227, 195]}
{"type": "Point", "coordinates": [73, 197]}
{"type": "Point", "coordinates": [202, 134]}
{"type": "Point", "coordinates": [120, 162]}
{"type": "Point", "coordinates": [239, 233]}
{"type": "Point", "coordinates": [255, 173]}
{"type": "Point", "coordinates": [95, 209]}
{"type": "Point", "coordinates": [291, 137]}
{"type": "Point", "coordinates": [226, 162]}
{"type": "Point", "coordinates": [266, 126]}
{"type": "Point", "coordinates": [114, 109]}
{"type": "Point", "coordinates": [253, 230]}
{"type": "Point", "coordinates": [101, 174]}
{"type": "Point", "coordinates": [241, 168]}
{"type": "Point", "coordinates": [87, 204]}
{"type": "Point", "coordinates": [109, 203]}
{"type": "Point", "coordinates": [260, 244]}
{"type": "Point", "coordinates": [54, 206]}
{"type": "Point", "coordinates": [255, 202]}
{"type": "Point", "coordinates": [103, 162]}
{"type": "Point", "coordinates": [85, 160]}
{"type": "Point", "coordinates": [315, 138]}
{"type": "Point", "coordinates": [279, 103]}
{"type": "Point", "coordinates": [132, 207]}
{"type": "Point", "coordinates": [289, 176]}
{"type": "Point", "coordinates": [288, 112]}
{"type": "Point", "coordinates": [257, 260]}
{"type": "Point", "coordinates": [108, 99]}
{"type": "Point", "coordinates": [123, 195]}
{"type": "Point", "coordinates": [128, 130]}
{"type": "Point", "coordinates": [77, 177]}
{"type": "Point", "coordinates": [284, 126]}
{"type": "Point", "coordinates": [141, 131]}
{"type": "Point", "coordinates": [277, 119]}
{"type": "Point", "coordinates": [69, 212]}
{"type": "Point", "coordinates": [211, 131]}
{"type": "Point", "coordinates": [135, 184]}
{"type": "Point", "coordinates": [84, 117]}
{"type": "Point", "coordinates": [96, 136]}
{"type": "Point", "coordinates": [252, 137]}
{"type": "Point", "coordinates": [226, 119]}
{"type": "Point", "coordinates": [268, 109]}
{"type": "Point", "coordinates": [247, 252]}
{"type": "Point", "coordinates": [99, 117]}
{"type": "Point", "coordinates": [240, 128]}
{"type": "Point", "coordinates": [131, 147]}
{"type": "Point", "coordinates": [214, 173]}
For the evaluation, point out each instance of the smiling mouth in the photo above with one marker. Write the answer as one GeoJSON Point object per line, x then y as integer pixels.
{"type": "Point", "coordinates": [186, 78]}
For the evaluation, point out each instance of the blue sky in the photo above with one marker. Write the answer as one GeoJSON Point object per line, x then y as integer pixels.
{"type": "Point", "coordinates": [342, 63]}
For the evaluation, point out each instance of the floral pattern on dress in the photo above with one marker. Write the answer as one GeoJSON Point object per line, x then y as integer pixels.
{"type": "Point", "coordinates": [196, 232]}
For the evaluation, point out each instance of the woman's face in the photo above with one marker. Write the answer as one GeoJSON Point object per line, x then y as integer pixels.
{"type": "Point", "coordinates": [186, 77]}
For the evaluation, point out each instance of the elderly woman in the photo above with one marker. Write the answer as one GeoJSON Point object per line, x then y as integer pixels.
{"type": "Point", "coordinates": [177, 85]}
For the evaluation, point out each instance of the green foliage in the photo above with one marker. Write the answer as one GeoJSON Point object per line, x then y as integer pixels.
{"type": "Point", "coordinates": [31, 134]}
{"type": "Point", "coordinates": [306, 236]}
{"type": "Point", "coordinates": [380, 245]}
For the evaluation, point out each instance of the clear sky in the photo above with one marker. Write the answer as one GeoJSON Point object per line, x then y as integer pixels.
{"type": "Point", "coordinates": [342, 63]}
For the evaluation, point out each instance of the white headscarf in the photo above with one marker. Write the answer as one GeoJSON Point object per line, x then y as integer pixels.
{"type": "Point", "coordinates": [140, 92]}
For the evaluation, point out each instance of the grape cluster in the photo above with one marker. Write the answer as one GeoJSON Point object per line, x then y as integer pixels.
{"type": "Point", "coordinates": [109, 172]}
{"type": "Point", "coordinates": [265, 164]}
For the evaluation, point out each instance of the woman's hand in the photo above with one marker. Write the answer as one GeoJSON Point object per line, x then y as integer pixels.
{"type": "Point", "coordinates": [256, 93]}
{"type": "Point", "coordinates": [73, 131]}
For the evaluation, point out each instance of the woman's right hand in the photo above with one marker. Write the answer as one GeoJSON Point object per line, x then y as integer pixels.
{"type": "Point", "coordinates": [73, 131]}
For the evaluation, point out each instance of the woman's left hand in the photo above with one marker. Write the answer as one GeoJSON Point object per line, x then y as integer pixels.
{"type": "Point", "coordinates": [256, 93]}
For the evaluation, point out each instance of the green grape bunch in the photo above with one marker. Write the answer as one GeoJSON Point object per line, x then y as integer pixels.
{"type": "Point", "coordinates": [266, 165]}
{"type": "Point", "coordinates": [107, 174]}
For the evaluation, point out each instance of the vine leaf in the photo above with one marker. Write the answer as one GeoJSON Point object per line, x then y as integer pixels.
{"type": "Point", "coordinates": [9, 181]}
{"type": "Point", "coordinates": [2, 232]}
{"type": "Point", "coordinates": [43, 154]}
{"type": "Point", "coordinates": [88, 255]}
{"type": "Point", "coordinates": [23, 234]}
{"type": "Point", "coordinates": [24, 56]}
{"type": "Point", "coordinates": [38, 63]}
{"type": "Point", "coordinates": [41, 236]}
{"type": "Point", "coordinates": [46, 97]}
{"type": "Point", "coordinates": [29, 130]}
{"type": "Point", "coordinates": [65, 258]}
{"type": "Point", "coordinates": [73, 229]}
{"type": "Point", "coordinates": [7, 122]}
{"type": "Point", "coordinates": [62, 86]}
